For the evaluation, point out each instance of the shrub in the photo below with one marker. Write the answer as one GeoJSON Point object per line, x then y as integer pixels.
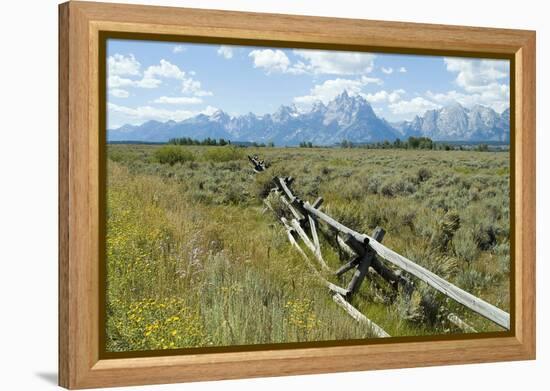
{"type": "Point", "coordinates": [223, 154]}
{"type": "Point", "coordinates": [348, 214]}
{"type": "Point", "coordinates": [261, 186]}
{"type": "Point", "coordinates": [472, 280]}
{"type": "Point", "coordinates": [474, 194]}
{"type": "Point", "coordinates": [233, 195]}
{"type": "Point", "coordinates": [446, 228]}
{"type": "Point", "coordinates": [485, 236]}
{"type": "Point", "coordinates": [420, 306]}
{"type": "Point", "coordinates": [326, 171]}
{"type": "Point", "coordinates": [387, 190]}
{"type": "Point", "coordinates": [465, 245]}
{"type": "Point", "coordinates": [404, 187]}
{"type": "Point", "coordinates": [373, 186]}
{"type": "Point", "coordinates": [374, 215]}
{"type": "Point", "coordinates": [423, 174]}
{"type": "Point", "coordinates": [441, 264]}
{"type": "Point", "coordinates": [171, 154]}
{"type": "Point", "coordinates": [116, 155]}
{"type": "Point", "coordinates": [502, 251]}
{"type": "Point", "coordinates": [396, 187]}
{"type": "Point", "coordinates": [408, 218]}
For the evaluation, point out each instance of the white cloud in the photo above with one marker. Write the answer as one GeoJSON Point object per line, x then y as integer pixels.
{"type": "Point", "coordinates": [384, 96]}
{"type": "Point", "coordinates": [145, 113]}
{"type": "Point", "coordinates": [209, 110]}
{"type": "Point", "coordinates": [334, 63]}
{"type": "Point", "coordinates": [313, 62]}
{"type": "Point", "coordinates": [474, 75]}
{"type": "Point", "coordinates": [178, 49]}
{"type": "Point", "coordinates": [387, 71]}
{"type": "Point", "coordinates": [371, 80]}
{"type": "Point", "coordinates": [496, 96]}
{"type": "Point", "coordinates": [117, 81]}
{"type": "Point", "coordinates": [119, 64]}
{"type": "Point", "coordinates": [165, 69]}
{"type": "Point", "coordinates": [119, 93]}
{"type": "Point", "coordinates": [378, 110]}
{"type": "Point", "coordinates": [479, 82]}
{"type": "Point", "coordinates": [178, 100]}
{"type": "Point", "coordinates": [402, 70]}
{"type": "Point", "coordinates": [329, 89]}
{"type": "Point", "coordinates": [142, 114]}
{"type": "Point", "coordinates": [270, 60]}
{"type": "Point", "coordinates": [225, 51]}
{"type": "Point", "coordinates": [152, 78]}
{"type": "Point", "coordinates": [483, 82]}
{"type": "Point", "coordinates": [415, 106]}
{"type": "Point", "coordinates": [193, 87]}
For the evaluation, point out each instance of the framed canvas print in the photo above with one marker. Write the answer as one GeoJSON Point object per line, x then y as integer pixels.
{"type": "Point", "coordinates": [248, 195]}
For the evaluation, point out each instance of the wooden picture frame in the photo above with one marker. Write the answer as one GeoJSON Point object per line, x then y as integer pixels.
{"type": "Point", "coordinates": [80, 163]}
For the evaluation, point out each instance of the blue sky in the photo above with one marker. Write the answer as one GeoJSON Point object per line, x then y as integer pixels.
{"type": "Point", "coordinates": [173, 81]}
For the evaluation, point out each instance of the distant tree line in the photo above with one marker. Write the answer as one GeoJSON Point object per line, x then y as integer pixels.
{"type": "Point", "coordinates": [215, 142]}
{"type": "Point", "coordinates": [346, 144]}
{"type": "Point", "coordinates": [206, 141]}
{"type": "Point", "coordinates": [412, 143]}
{"type": "Point", "coordinates": [269, 144]}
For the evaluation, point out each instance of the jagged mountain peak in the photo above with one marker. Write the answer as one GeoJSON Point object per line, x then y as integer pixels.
{"type": "Point", "coordinates": [346, 98]}
{"type": "Point", "coordinates": [347, 116]}
{"type": "Point", "coordinates": [284, 113]}
{"type": "Point", "coordinates": [454, 105]}
{"type": "Point", "coordinates": [456, 122]}
{"type": "Point", "coordinates": [342, 97]}
{"type": "Point", "coordinates": [318, 106]}
{"type": "Point", "coordinates": [220, 116]}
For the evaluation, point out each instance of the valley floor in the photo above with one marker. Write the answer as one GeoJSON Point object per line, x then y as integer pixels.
{"type": "Point", "coordinates": [193, 259]}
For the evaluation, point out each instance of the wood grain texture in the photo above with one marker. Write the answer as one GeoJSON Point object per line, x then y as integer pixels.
{"type": "Point", "coordinates": [63, 178]}
{"type": "Point", "coordinates": [525, 193]}
{"type": "Point", "coordinates": [80, 365]}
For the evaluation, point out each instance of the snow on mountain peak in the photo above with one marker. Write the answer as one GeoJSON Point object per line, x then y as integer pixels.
{"type": "Point", "coordinates": [455, 122]}
{"type": "Point", "coordinates": [346, 117]}
{"type": "Point", "coordinates": [220, 116]}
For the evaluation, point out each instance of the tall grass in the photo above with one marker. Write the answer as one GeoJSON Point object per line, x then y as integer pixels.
{"type": "Point", "coordinates": [193, 261]}
{"type": "Point", "coordinates": [184, 275]}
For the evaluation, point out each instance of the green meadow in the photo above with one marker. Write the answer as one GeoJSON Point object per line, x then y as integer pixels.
{"type": "Point", "coordinates": [194, 259]}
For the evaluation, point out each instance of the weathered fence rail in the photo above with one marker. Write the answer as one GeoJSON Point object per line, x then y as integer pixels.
{"type": "Point", "coordinates": [358, 316]}
{"type": "Point", "coordinates": [476, 304]}
{"type": "Point", "coordinates": [365, 250]}
{"type": "Point", "coordinates": [259, 165]}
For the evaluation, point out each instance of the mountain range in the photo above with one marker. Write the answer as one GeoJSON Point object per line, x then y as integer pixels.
{"type": "Point", "coordinates": [346, 117]}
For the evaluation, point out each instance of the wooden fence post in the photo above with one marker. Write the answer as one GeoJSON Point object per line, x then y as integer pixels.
{"type": "Point", "coordinates": [259, 165]}
{"type": "Point", "coordinates": [347, 266]}
{"type": "Point", "coordinates": [365, 255]}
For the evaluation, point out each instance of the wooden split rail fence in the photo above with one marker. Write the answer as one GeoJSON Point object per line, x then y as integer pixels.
{"type": "Point", "coordinates": [367, 253]}
{"type": "Point", "coordinates": [259, 165]}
